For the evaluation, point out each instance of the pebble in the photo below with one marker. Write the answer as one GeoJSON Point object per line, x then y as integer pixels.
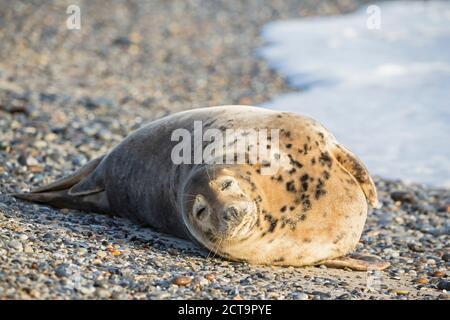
{"type": "Point", "coordinates": [402, 292]}
{"type": "Point", "coordinates": [102, 293]}
{"type": "Point", "coordinates": [444, 285]}
{"type": "Point", "coordinates": [317, 295]}
{"type": "Point", "coordinates": [16, 245]}
{"type": "Point", "coordinates": [182, 280]}
{"type": "Point", "coordinates": [101, 254]}
{"type": "Point", "coordinates": [438, 273]}
{"type": "Point", "coordinates": [61, 271]}
{"type": "Point", "coordinates": [422, 280]}
{"type": "Point", "coordinates": [210, 277]}
{"type": "Point", "coordinates": [300, 296]}
{"type": "Point", "coordinates": [402, 196]}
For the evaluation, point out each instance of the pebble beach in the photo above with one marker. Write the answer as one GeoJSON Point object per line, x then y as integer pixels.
{"type": "Point", "coordinates": [68, 96]}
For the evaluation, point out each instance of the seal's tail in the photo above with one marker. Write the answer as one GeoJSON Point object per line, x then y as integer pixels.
{"type": "Point", "coordinates": [81, 190]}
{"type": "Point", "coordinates": [356, 168]}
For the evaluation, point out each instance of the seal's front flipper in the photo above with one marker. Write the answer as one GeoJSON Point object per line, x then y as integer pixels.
{"type": "Point", "coordinates": [83, 190]}
{"type": "Point", "coordinates": [357, 262]}
{"type": "Point", "coordinates": [356, 168]}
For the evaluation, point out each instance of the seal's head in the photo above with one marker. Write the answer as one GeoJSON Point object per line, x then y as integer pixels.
{"type": "Point", "coordinates": [217, 207]}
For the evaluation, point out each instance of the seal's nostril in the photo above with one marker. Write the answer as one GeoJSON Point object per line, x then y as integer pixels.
{"type": "Point", "coordinates": [231, 213]}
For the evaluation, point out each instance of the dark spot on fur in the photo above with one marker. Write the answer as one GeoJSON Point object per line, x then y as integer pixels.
{"type": "Point", "coordinates": [306, 203]}
{"type": "Point", "coordinates": [319, 190]}
{"type": "Point", "coordinates": [272, 222]}
{"type": "Point", "coordinates": [304, 182]}
{"type": "Point", "coordinates": [290, 186]}
{"type": "Point", "coordinates": [265, 163]}
{"type": "Point", "coordinates": [338, 238]}
{"type": "Point", "coordinates": [325, 159]}
{"type": "Point", "coordinates": [295, 162]}
{"type": "Point", "coordinates": [289, 145]}
{"type": "Point", "coordinates": [288, 222]}
{"type": "Point", "coordinates": [280, 259]}
{"type": "Point", "coordinates": [305, 149]}
{"type": "Point", "coordinates": [283, 208]}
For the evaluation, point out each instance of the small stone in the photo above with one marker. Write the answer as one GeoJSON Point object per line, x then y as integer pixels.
{"type": "Point", "coordinates": [101, 254]}
{"type": "Point", "coordinates": [321, 295]}
{"type": "Point", "coordinates": [415, 247]}
{"type": "Point", "coordinates": [210, 277]}
{"type": "Point", "coordinates": [438, 274]}
{"type": "Point", "coordinates": [61, 271]}
{"type": "Point", "coordinates": [182, 280]}
{"type": "Point", "coordinates": [422, 281]}
{"type": "Point", "coordinates": [102, 293]}
{"type": "Point", "coordinates": [402, 292]}
{"type": "Point", "coordinates": [446, 257]}
{"type": "Point", "coordinates": [35, 168]}
{"type": "Point", "coordinates": [444, 285]}
{"type": "Point", "coordinates": [300, 296]}
{"type": "Point", "coordinates": [28, 249]}
{"type": "Point", "coordinates": [35, 293]}
{"type": "Point", "coordinates": [113, 250]}
{"type": "Point", "coordinates": [344, 296]}
{"type": "Point", "coordinates": [16, 245]}
{"type": "Point", "coordinates": [402, 196]}
{"type": "Point", "coordinates": [30, 161]}
{"type": "Point", "coordinates": [237, 297]}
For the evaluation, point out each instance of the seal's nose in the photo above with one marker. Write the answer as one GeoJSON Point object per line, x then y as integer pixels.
{"type": "Point", "coordinates": [235, 212]}
{"type": "Point", "coordinates": [231, 213]}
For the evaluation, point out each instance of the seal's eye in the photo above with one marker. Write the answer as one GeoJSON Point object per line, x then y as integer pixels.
{"type": "Point", "coordinates": [200, 213]}
{"type": "Point", "coordinates": [200, 209]}
{"type": "Point", "coordinates": [226, 184]}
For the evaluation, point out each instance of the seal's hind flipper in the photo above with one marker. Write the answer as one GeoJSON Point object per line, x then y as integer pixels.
{"type": "Point", "coordinates": [356, 168]}
{"type": "Point", "coordinates": [357, 262]}
{"type": "Point", "coordinates": [83, 190]}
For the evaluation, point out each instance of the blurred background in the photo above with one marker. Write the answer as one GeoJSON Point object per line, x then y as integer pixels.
{"type": "Point", "coordinates": [69, 94]}
{"type": "Point", "coordinates": [88, 72]}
